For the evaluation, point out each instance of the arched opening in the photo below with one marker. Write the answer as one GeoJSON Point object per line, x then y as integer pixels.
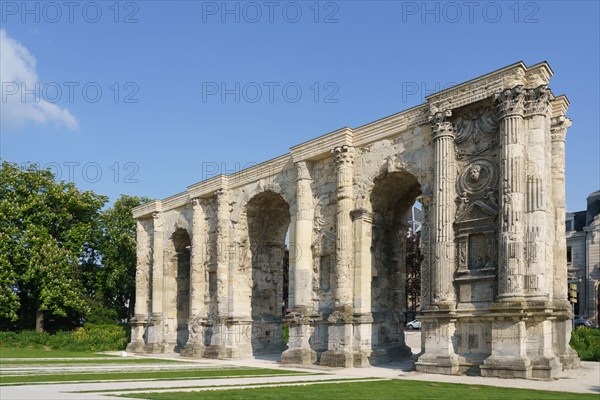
{"type": "Point", "coordinates": [178, 280]}
{"type": "Point", "coordinates": [268, 223]}
{"type": "Point", "coordinates": [392, 200]}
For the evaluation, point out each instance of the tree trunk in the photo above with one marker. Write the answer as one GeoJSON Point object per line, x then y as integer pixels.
{"type": "Point", "coordinates": [39, 320]}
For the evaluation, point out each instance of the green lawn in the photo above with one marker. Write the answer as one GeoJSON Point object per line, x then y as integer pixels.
{"type": "Point", "coordinates": [12, 352]}
{"type": "Point", "coordinates": [98, 361]}
{"type": "Point", "coordinates": [198, 373]}
{"type": "Point", "coordinates": [380, 390]}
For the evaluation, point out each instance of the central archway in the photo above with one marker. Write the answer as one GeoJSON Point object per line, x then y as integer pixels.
{"type": "Point", "coordinates": [392, 199]}
{"type": "Point", "coordinates": [268, 223]}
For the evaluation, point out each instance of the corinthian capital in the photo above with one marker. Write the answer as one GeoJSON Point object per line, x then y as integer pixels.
{"type": "Point", "coordinates": [157, 220]}
{"type": "Point", "coordinates": [538, 100]}
{"type": "Point", "coordinates": [344, 155]}
{"type": "Point", "coordinates": [558, 128]}
{"type": "Point", "coordinates": [302, 172]}
{"type": "Point", "coordinates": [511, 102]}
{"type": "Point", "coordinates": [440, 123]}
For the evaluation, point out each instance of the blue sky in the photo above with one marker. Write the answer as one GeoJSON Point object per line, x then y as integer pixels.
{"type": "Point", "coordinates": [148, 97]}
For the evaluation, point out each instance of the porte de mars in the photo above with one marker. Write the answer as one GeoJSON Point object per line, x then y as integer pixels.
{"type": "Point", "coordinates": [486, 161]}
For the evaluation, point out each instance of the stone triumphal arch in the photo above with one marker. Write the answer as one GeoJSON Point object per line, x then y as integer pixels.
{"type": "Point", "coordinates": [314, 241]}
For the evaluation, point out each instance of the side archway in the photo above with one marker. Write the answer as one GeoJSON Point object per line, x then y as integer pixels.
{"type": "Point", "coordinates": [392, 199]}
{"type": "Point", "coordinates": [268, 218]}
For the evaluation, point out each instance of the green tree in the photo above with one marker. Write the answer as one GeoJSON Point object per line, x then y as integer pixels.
{"type": "Point", "coordinates": [116, 275]}
{"type": "Point", "coordinates": [413, 271]}
{"type": "Point", "coordinates": [47, 229]}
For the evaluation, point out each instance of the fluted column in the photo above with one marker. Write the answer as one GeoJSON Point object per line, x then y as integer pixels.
{"type": "Point", "coordinates": [142, 274]}
{"type": "Point", "coordinates": [512, 178]}
{"type": "Point", "coordinates": [558, 136]}
{"type": "Point", "coordinates": [340, 335]}
{"type": "Point", "coordinates": [300, 288]}
{"type": "Point", "coordinates": [563, 325]}
{"type": "Point", "coordinates": [438, 319]}
{"type": "Point", "coordinates": [195, 345]}
{"type": "Point", "coordinates": [538, 216]}
{"type": "Point", "coordinates": [217, 329]}
{"type": "Point", "coordinates": [344, 158]}
{"type": "Point", "coordinates": [444, 209]}
{"type": "Point", "coordinates": [509, 357]}
{"type": "Point", "coordinates": [302, 262]}
{"type": "Point", "coordinates": [155, 328]}
{"type": "Point", "coordinates": [363, 318]}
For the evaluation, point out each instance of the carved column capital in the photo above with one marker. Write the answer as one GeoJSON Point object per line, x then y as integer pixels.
{"type": "Point", "coordinates": [425, 199]}
{"type": "Point", "coordinates": [537, 101]}
{"type": "Point", "coordinates": [158, 220]}
{"type": "Point", "coordinates": [440, 123]}
{"type": "Point", "coordinates": [511, 102]}
{"type": "Point", "coordinates": [558, 128]}
{"type": "Point", "coordinates": [344, 155]}
{"type": "Point", "coordinates": [302, 170]}
{"type": "Point", "coordinates": [361, 214]}
{"type": "Point", "coordinates": [195, 202]}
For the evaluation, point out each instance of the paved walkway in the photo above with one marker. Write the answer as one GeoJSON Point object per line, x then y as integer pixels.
{"type": "Point", "coordinates": [583, 380]}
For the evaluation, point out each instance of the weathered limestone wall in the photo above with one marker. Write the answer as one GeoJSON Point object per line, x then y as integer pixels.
{"type": "Point", "coordinates": [315, 241]}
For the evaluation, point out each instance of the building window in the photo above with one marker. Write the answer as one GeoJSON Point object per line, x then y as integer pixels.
{"type": "Point", "coordinates": [569, 255]}
{"type": "Point", "coordinates": [569, 224]}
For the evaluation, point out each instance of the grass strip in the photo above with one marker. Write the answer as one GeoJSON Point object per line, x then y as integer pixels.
{"type": "Point", "coordinates": [380, 390]}
{"type": "Point", "coordinates": [143, 390]}
{"type": "Point", "coordinates": [13, 352]}
{"type": "Point", "coordinates": [99, 361]}
{"type": "Point", "coordinates": [199, 373]}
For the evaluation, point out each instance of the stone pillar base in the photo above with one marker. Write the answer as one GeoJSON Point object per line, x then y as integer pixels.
{"type": "Point", "coordinates": [362, 359]}
{"type": "Point", "coordinates": [438, 364]}
{"type": "Point", "coordinates": [194, 350]}
{"type": "Point", "coordinates": [337, 358]}
{"type": "Point", "coordinates": [545, 367]}
{"type": "Point", "coordinates": [135, 347]}
{"type": "Point", "coordinates": [570, 359]}
{"type": "Point", "coordinates": [507, 367]}
{"type": "Point", "coordinates": [299, 356]}
{"type": "Point", "coordinates": [215, 351]}
{"type": "Point", "coordinates": [154, 348]}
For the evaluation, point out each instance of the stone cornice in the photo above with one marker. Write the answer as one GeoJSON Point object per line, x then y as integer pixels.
{"type": "Point", "coordinates": [146, 210]}
{"type": "Point", "coordinates": [208, 187]}
{"type": "Point", "coordinates": [321, 147]}
{"type": "Point", "coordinates": [260, 171]}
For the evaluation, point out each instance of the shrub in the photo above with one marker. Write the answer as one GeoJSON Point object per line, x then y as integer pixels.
{"type": "Point", "coordinates": [586, 342]}
{"type": "Point", "coordinates": [90, 337]}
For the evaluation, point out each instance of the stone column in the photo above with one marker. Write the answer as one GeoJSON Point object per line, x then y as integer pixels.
{"type": "Point", "coordinates": [512, 178]}
{"type": "Point", "coordinates": [438, 319]}
{"type": "Point", "coordinates": [156, 340]}
{"type": "Point", "coordinates": [300, 290]}
{"type": "Point", "coordinates": [539, 271]}
{"type": "Point", "coordinates": [560, 283]}
{"type": "Point", "coordinates": [195, 344]}
{"type": "Point", "coordinates": [142, 274]}
{"type": "Point", "coordinates": [509, 358]}
{"type": "Point", "coordinates": [444, 209]}
{"type": "Point", "coordinates": [563, 325]}
{"type": "Point", "coordinates": [339, 347]}
{"type": "Point", "coordinates": [239, 325]}
{"type": "Point", "coordinates": [217, 329]}
{"type": "Point", "coordinates": [363, 318]}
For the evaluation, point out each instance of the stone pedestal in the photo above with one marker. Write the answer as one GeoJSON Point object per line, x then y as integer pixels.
{"type": "Point", "coordinates": [509, 354]}
{"type": "Point", "coordinates": [155, 341]}
{"type": "Point", "coordinates": [439, 356]}
{"type": "Point", "coordinates": [138, 329]}
{"type": "Point", "coordinates": [299, 350]}
{"type": "Point", "coordinates": [340, 338]}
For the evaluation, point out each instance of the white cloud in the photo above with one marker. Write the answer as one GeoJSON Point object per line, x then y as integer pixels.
{"type": "Point", "coordinates": [18, 71]}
